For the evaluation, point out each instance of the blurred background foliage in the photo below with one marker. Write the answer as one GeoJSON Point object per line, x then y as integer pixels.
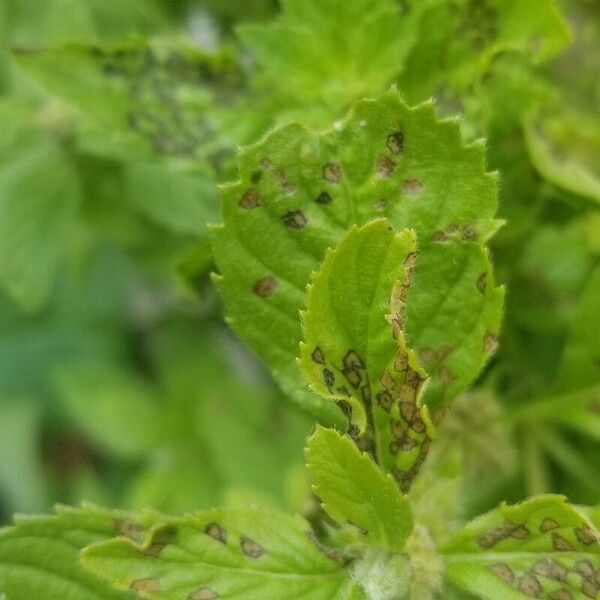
{"type": "Point", "coordinates": [119, 381]}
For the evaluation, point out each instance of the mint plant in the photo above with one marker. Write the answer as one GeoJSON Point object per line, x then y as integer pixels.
{"type": "Point", "coordinates": [446, 408]}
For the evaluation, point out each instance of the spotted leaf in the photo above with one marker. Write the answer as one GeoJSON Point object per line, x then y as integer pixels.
{"type": "Point", "coordinates": [354, 490]}
{"type": "Point", "coordinates": [354, 351]}
{"type": "Point", "coordinates": [39, 555]}
{"type": "Point", "coordinates": [223, 554]}
{"type": "Point", "coordinates": [385, 160]}
{"type": "Point", "coordinates": [541, 548]}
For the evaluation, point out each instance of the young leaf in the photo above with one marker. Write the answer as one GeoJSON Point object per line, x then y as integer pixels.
{"type": "Point", "coordinates": [353, 489]}
{"type": "Point", "coordinates": [354, 351]}
{"type": "Point", "coordinates": [298, 194]}
{"type": "Point", "coordinates": [222, 554]}
{"type": "Point", "coordinates": [141, 99]}
{"type": "Point", "coordinates": [541, 548]}
{"type": "Point", "coordinates": [315, 56]}
{"type": "Point", "coordinates": [39, 555]}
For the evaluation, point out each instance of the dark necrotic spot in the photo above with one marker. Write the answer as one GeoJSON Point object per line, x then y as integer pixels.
{"type": "Point", "coordinates": [251, 548]}
{"type": "Point", "coordinates": [295, 219]}
{"type": "Point", "coordinates": [318, 356]}
{"type": "Point", "coordinates": [352, 360]}
{"type": "Point", "coordinates": [345, 408]}
{"type": "Point", "coordinates": [395, 142]}
{"type": "Point", "coordinates": [470, 233]}
{"type": "Point", "coordinates": [203, 593]}
{"type": "Point", "coordinates": [332, 172]}
{"type": "Point", "coordinates": [384, 167]}
{"type": "Point", "coordinates": [328, 377]}
{"type": "Point", "coordinates": [216, 532]}
{"type": "Point", "coordinates": [265, 287]}
{"type": "Point", "coordinates": [324, 198]}
{"type": "Point", "coordinates": [584, 568]}
{"type": "Point", "coordinates": [560, 544]}
{"type": "Point", "coordinates": [384, 399]}
{"type": "Point", "coordinates": [250, 199]}
{"type": "Point", "coordinates": [586, 536]}
{"type": "Point", "coordinates": [412, 187]}
{"type": "Point", "coordinates": [503, 571]}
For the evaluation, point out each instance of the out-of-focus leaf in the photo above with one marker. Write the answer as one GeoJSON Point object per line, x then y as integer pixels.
{"type": "Point", "coordinates": [299, 193]}
{"type": "Point", "coordinates": [39, 195]}
{"type": "Point", "coordinates": [113, 407]}
{"type": "Point", "coordinates": [21, 475]}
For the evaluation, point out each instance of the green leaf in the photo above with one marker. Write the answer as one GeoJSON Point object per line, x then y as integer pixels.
{"type": "Point", "coordinates": [354, 351]}
{"type": "Point", "coordinates": [565, 149]}
{"type": "Point", "coordinates": [39, 555]}
{"type": "Point", "coordinates": [542, 547]}
{"type": "Point", "coordinates": [143, 100]}
{"type": "Point", "coordinates": [222, 554]}
{"type": "Point", "coordinates": [459, 40]}
{"type": "Point", "coordinates": [298, 194]}
{"type": "Point", "coordinates": [114, 407]}
{"type": "Point", "coordinates": [314, 56]}
{"type": "Point", "coordinates": [353, 489]}
{"type": "Point", "coordinates": [39, 195]}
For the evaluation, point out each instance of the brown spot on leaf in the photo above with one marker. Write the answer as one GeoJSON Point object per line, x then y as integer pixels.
{"type": "Point", "coordinates": [395, 142]}
{"type": "Point", "coordinates": [332, 172]}
{"type": "Point", "coordinates": [470, 233]}
{"type": "Point", "coordinates": [384, 167]}
{"type": "Point", "coordinates": [318, 356]}
{"type": "Point", "coordinates": [482, 283]}
{"type": "Point", "coordinates": [385, 400]}
{"type": "Point", "coordinates": [586, 536]}
{"type": "Point", "coordinates": [353, 361]}
{"type": "Point", "coordinates": [380, 205]}
{"type": "Point", "coordinates": [503, 571]}
{"type": "Point", "coordinates": [145, 586]}
{"type": "Point", "coordinates": [203, 593]}
{"type": "Point", "coordinates": [346, 408]}
{"type": "Point", "coordinates": [266, 164]}
{"type": "Point", "coordinates": [548, 525]}
{"type": "Point", "coordinates": [590, 589]}
{"type": "Point", "coordinates": [216, 532]}
{"type": "Point", "coordinates": [398, 429]}
{"type": "Point", "coordinates": [265, 287]}
{"type": "Point", "coordinates": [427, 356]}
{"type": "Point", "coordinates": [530, 586]}
{"type": "Point", "coordinates": [328, 378]}
{"type": "Point", "coordinates": [584, 568]}
{"type": "Point", "coordinates": [129, 529]}
{"type": "Point", "coordinates": [324, 198]}
{"type": "Point", "coordinates": [353, 376]}
{"type": "Point", "coordinates": [412, 187]}
{"type": "Point", "coordinates": [561, 594]}
{"type": "Point", "coordinates": [295, 219]}
{"type": "Point", "coordinates": [250, 199]}
{"type": "Point", "coordinates": [251, 548]}
{"type": "Point", "coordinates": [561, 544]}
{"type": "Point", "coordinates": [490, 343]}
{"type": "Point", "coordinates": [446, 377]}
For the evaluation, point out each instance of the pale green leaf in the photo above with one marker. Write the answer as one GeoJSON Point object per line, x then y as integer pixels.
{"type": "Point", "coordinates": [565, 149]}
{"type": "Point", "coordinates": [39, 555]}
{"type": "Point", "coordinates": [316, 56]}
{"type": "Point", "coordinates": [114, 407]}
{"type": "Point", "coordinates": [354, 490]}
{"type": "Point", "coordinates": [142, 99]}
{"type": "Point", "coordinates": [354, 351]}
{"type": "Point", "coordinates": [39, 195]}
{"type": "Point", "coordinates": [231, 553]}
{"type": "Point", "coordinates": [542, 547]}
{"type": "Point", "coordinates": [298, 194]}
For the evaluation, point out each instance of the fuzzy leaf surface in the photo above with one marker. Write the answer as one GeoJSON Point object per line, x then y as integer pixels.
{"type": "Point", "coordinates": [353, 489]}
{"type": "Point", "coordinates": [541, 548]}
{"type": "Point", "coordinates": [241, 553]}
{"type": "Point", "coordinates": [354, 351]}
{"type": "Point", "coordinates": [39, 555]}
{"type": "Point", "coordinates": [298, 194]}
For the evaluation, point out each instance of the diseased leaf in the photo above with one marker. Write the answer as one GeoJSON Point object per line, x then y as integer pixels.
{"type": "Point", "coordinates": [317, 59]}
{"type": "Point", "coordinates": [354, 490]}
{"type": "Point", "coordinates": [354, 350]}
{"type": "Point", "coordinates": [143, 100]}
{"type": "Point", "coordinates": [39, 555]}
{"type": "Point", "coordinates": [233, 553]}
{"type": "Point", "coordinates": [298, 194]}
{"type": "Point", "coordinates": [542, 547]}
